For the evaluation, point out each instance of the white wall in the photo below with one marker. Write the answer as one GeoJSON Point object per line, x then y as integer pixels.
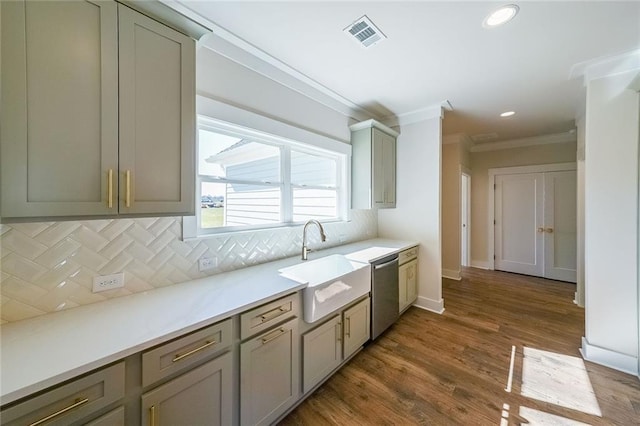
{"type": "Point", "coordinates": [611, 222]}
{"type": "Point", "coordinates": [417, 213]}
{"type": "Point", "coordinates": [580, 124]}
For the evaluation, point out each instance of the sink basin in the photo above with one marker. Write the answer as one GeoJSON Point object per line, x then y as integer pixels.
{"type": "Point", "coordinates": [333, 282]}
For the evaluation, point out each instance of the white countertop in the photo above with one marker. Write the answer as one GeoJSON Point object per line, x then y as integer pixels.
{"type": "Point", "coordinates": [40, 352]}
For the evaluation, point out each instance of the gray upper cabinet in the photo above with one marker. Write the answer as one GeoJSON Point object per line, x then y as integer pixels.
{"type": "Point", "coordinates": [59, 126]}
{"type": "Point", "coordinates": [91, 91]}
{"type": "Point", "coordinates": [373, 171]}
{"type": "Point", "coordinates": [157, 117]}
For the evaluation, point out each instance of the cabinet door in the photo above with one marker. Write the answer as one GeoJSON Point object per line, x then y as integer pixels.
{"type": "Point", "coordinates": [157, 117]}
{"type": "Point", "coordinates": [356, 326]}
{"type": "Point", "coordinates": [389, 155]}
{"type": "Point", "coordinates": [378, 160]}
{"type": "Point", "coordinates": [408, 284]}
{"type": "Point", "coordinates": [59, 125]}
{"type": "Point", "coordinates": [269, 374]}
{"type": "Point", "coordinates": [202, 396]}
{"type": "Point", "coordinates": [112, 418]}
{"type": "Point", "coordinates": [322, 352]}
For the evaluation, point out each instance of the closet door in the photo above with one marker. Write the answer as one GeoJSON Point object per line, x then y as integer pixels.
{"type": "Point", "coordinates": [519, 223]}
{"type": "Point", "coordinates": [560, 226]}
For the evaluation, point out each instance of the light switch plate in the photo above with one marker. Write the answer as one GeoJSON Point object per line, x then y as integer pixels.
{"type": "Point", "coordinates": [108, 282]}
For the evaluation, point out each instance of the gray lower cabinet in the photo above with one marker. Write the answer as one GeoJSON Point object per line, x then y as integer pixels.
{"type": "Point", "coordinates": [203, 396]}
{"type": "Point", "coordinates": [269, 374]}
{"type": "Point", "coordinates": [72, 403]}
{"type": "Point", "coordinates": [112, 418]}
{"type": "Point", "coordinates": [98, 112]}
{"type": "Point", "coordinates": [327, 346]}
{"type": "Point", "coordinates": [322, 352]}
{"type": "Point", "coordinates": [357, 326]}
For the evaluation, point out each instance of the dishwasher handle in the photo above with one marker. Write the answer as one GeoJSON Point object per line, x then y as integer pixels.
{"type": "Point", "coordinates": [384, 265]}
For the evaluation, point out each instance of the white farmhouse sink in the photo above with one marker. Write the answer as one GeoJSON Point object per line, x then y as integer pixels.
{"type": "Point", "coordinates": [333, 282]}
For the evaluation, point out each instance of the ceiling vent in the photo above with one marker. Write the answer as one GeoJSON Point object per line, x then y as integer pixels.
{"type": "Point", "coordinates": [484, 137]}
{"type": "Point", "coordinates": [365, 32]}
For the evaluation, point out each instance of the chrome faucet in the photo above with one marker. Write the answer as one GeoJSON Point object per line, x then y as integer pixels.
{"type": "Point", "coordinates": [323, 237]}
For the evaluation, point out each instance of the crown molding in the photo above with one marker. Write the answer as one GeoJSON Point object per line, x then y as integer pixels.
{"type": "Point", "coordinates": [564, 137]}
{"type": "Point", "coordinates": [240, 51]}
{"type": "Point", "coordinates": [460, 138]}
{"type": "Point", "coordinates": [373, 123]}
{"type": "Point", "coordinates": [606, 66]}
{"type": "Point", "coordinates": [416, 116]}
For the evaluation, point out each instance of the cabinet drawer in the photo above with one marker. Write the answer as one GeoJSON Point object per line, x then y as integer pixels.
{"type": "Point", "coordinates": [184, 352]}
{"type": "Point", "coordinates": [265, 316]}
{"type": "Point", "coordinates": [408, 255]}
{"type": "Point", "coordinates": [71, 402]}
{"type": "Point", "coordinates": [112, 418]}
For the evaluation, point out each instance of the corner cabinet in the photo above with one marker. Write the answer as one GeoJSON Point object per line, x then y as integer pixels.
{"type": "Point", "coordinates": [373, 170]}
{"type": "Point", "coordinates": [98, 112]}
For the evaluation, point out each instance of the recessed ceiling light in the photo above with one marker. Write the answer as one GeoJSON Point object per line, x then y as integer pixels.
{"type": "Point", "coordinates": [501, 16]}
{"type": "Point", "coordinates": [507, 114]}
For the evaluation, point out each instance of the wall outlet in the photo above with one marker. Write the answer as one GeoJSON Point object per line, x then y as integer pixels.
{"type": "Point", "coordinates": [108, 282]}
{"type": "Point", "coordinates": [207, 263]}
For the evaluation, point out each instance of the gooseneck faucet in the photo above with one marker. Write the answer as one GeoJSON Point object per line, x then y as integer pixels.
{"type": "Point", "coordinates": [323, 237]}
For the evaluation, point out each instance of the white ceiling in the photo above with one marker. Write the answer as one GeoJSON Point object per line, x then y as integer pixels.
{"type": "Point", "coordinates": [439, 51]}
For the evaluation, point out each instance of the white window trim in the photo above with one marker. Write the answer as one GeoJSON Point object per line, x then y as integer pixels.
{"type": "Point", "coordinates": [262, 129]}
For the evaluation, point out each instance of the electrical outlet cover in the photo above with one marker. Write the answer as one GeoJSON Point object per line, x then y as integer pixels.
{"type": "Point", "coordinates": [207, 263]}
{"type": "Point", "coordinates": [108, 282]}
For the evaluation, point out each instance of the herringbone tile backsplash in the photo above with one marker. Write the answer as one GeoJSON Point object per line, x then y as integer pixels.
{"type": "Point", "coordinates": [50, 266]}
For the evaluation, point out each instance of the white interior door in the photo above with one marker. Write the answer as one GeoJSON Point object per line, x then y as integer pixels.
{"type": "Point", "coordinates": [465, 193]}
{"type": "Point", "coordinates": [518, 223]}
{"type": "Point", "coordinates": [560, 245]}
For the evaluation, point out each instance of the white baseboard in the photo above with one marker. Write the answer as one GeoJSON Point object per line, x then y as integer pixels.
{"type": "Point", "coordinates": [480, 264]}
{"type": "Point", "coordinates": [451, 274]}
{"type": "Point", "coordinates": [427, 304]}
{"type": "Point", "coordinates": [609, 358]}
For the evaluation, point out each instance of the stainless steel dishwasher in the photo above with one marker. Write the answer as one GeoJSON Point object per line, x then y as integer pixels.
{"type": "Point", "coordinates": [384, 294]}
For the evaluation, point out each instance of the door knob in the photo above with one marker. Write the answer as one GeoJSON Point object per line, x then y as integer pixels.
{"type": "Point", "coordinates": [549, 230]}
{"type": "Point", "coordinates": [540, 229]}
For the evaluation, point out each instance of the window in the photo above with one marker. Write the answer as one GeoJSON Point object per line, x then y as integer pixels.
{"type": "Point", "coordinates": [248, 180]}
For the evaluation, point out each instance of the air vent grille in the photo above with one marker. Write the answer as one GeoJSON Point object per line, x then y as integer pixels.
{"type": "Point", "coordinates": [365, 32]}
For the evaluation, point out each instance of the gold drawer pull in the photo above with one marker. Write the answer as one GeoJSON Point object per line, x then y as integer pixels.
{"type": "Point", "coordinates": [76, 404]}
{"type": "Point", "coordinates": [273, 335]}
{"type": "Point", "coordinates": [152, 415]}
{"type": "Point", "coordinates": [178, 357]}
{"type": "Point", "coordinates": [273, 314]}
{"type": "Point", "coordinates": [110, 189]}
{"type": "Point", "coordinates": [127, 194]}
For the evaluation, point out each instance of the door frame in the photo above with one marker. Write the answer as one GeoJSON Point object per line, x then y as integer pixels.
{"type": "Point", "coordinates": [465, 172]}
{"type": "Point", "coordinates": [539, 168]}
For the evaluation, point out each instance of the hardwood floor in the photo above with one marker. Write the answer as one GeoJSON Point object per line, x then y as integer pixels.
{"type": "Point", "coordinates": [454, 368]}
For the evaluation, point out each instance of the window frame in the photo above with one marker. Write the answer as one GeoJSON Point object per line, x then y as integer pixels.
{"type": "Point", "coordinates": [338, 151]}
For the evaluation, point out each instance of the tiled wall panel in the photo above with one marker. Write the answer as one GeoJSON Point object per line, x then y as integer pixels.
{"type": "Point", "coordinates": [49, 266]}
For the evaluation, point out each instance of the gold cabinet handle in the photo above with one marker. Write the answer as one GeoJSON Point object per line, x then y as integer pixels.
{"type": "Point", "coordinates": [152, 415]}
{"type": "Point", "coordinates": [127, 194]}
{"type": "Point", "coordinates": [541, 230]}
{"type": "Point", "coordinates": [549, 230]}
{"type": "Point", "coordinates": [273, 335]}
{"type": "Point", "coordinates": [208, 343]}
{"type": "Point", "coordinates": [76, 404]}
{"type": "Point", "coordinates": [110, 188]}
{"type": "Point", "coordinates": [273, 314]}
{"type": "Point", "coordinates": [338, 331]}
{"type": "Point", "coordinates": [347, 332]}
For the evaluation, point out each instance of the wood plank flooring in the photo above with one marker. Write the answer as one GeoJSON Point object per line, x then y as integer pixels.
{"type": "Point", "coordinates": [453, 368]}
